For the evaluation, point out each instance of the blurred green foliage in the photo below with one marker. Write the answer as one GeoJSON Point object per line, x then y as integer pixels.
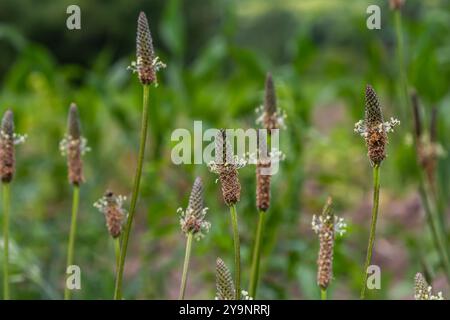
{"type": "Point", "coordinates": [218, 52]}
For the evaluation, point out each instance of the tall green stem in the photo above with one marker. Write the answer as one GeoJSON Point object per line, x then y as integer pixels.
{"type": "Point", "coordinates": [373, 225]}
{"type": "Point", "coordinates": [323, 294]}
{"type": "Point", "coordinates": [73, 231]}
{"type": "Point", "coordinates": [186, 265]}
{"type": "Point", "coordinates": [254, 275]}
{"type": "Point", "coordinates": [237, 252]}
{"type": "Point", "coordinates": [6, 211]}
{"type": "Point", "coordinates": [134, 197]}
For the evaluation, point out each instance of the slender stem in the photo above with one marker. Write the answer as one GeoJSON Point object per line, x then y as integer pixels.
{"type": "Point", "coordinates": [6, 211]}
{"type": "Point", "coordinates": [134, 197]}
{"type": "Point", "coordinates": [186, 265]}
{"type": "Point", "coordinates": [373, 225]}
{"type": "Point", "coordinates": [254, 275]}
{"type": "Point", "coordinates": [438, 230]}
{"type": "Point", "coordinates": [117, 251]}
{"type": "Point", "coordinates": [237, 253]}
{"type": "Point", "coordinates": [323, 294]}
{"type": "Point", "coordinates": [73, 230]}
{"type": "Point", "coordinates": [435, 231]}
{"type": "Point", "coordinates": [401, 61]}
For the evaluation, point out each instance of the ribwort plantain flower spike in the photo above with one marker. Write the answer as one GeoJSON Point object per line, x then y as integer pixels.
{"type": "Point", "coordinates": [270, 116]}
{"type": "Point", "coordinates": [7, 154]}
{"type": "Point", "coordinates": [423, 291]}
{"type": "Point", "coordinates": [193, 218]}
{"type": "Point", "coordinates": [427, 147]}
{"type": "Point", "coordinates": [74, 146]}
{"type": "Point", "coordinates": [374, 129]}
{"type": "Point", "coordinates": [146, 64]}
{"type": "Point", "coordinates": [327, 226]}
{"type": "Point", "coordinates": [226, 166]}
{"type": "Point", "coordinates": [111, 206]}
{"type": "Point", "coordinates": [8, 139]}
{"type": "Point", "coordinates": [224, 282]}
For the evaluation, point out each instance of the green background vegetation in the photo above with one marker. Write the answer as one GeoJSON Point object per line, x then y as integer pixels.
{"type": "Point", "coordinates": [321, 55]}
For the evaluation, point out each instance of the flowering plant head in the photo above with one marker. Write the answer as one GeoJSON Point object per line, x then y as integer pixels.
{"type": "Point", "coordinates": [146, 64]}
{"type": "Point", "coordinates": [374, 129]}
{"type": "Point", "coordinates": [192, 219]}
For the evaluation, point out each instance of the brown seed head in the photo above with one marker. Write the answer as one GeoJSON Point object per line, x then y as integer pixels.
{"type": "Point", "coordinates": [7, 152]}
{"type": "Point", "coordinates": [263, 178]}
{"type": "Point", "coordinates": [227, 170]}
{"type": "Point", "coordinates": [326, 238]}
{"type": "Point", "coordinates": [376, 144]}
{"type": "Point", "coordinates": [145, 54]}
{"type": "Point", "coordinates": [376, 138]}
{"type": "Point", "coordinates": [74, 147]}
{"type": "Point", "coordinates": [114, 215]}
{"type": "Point", "coordinates": [224, 281]}
{"type": "Point", "coordinates": [262, 187]}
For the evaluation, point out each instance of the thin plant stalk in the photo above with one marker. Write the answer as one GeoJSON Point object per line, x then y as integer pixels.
{"type": "Point", "coordinates": [254, 275]}
{"type": "Point", "coordinates": [429, 194]}
{"type": "Point", "coordinates": [134, 197]}
{"type": "Point", "coordinates": [187, 257]}
{"type": "Point", "coordinates": [237, 252]}
{"type": "Point", "coordinates": [6, 211]}
{"type": "Point", "coordinates": [401, 60]}
{"type": "Point", "coordinates": [117, 251]}
{"type": "Point", "coordinates": [373, 225]}
{"type": "Point", "coordinates": [323, 294]}
{"type": "Point", "coordinates": [435, 231]}
{"type": "Point", "coordinates": [73, 230]}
